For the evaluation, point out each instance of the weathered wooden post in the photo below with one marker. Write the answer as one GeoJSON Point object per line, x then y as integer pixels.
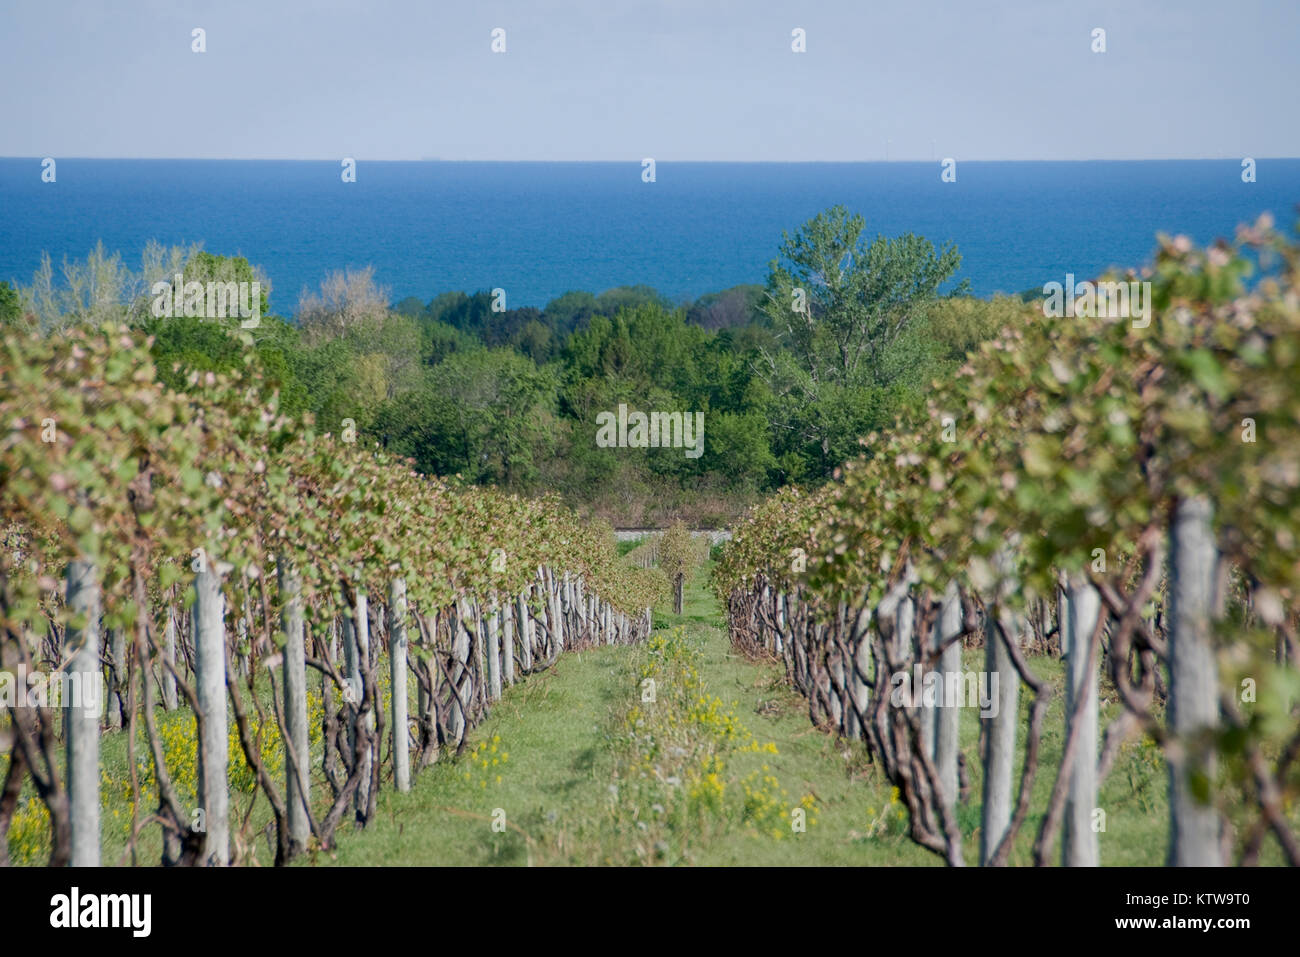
{"type": "Point", "coordinates": [294, 670]}
{"type": "Point", "coordinates": [494, 650]}
{"type": "Point", "coordinates": [1000, 744]}
{"type": "Point", "coordinates": [361, 651]}
{"type": "Point", "coordinates": [1080, 846]}
{"type": "Point", "coordinates": [947, 744]}
{"type": "Point", "coordinates": [81, 722]}
{"type": "Point", "coordinates": [508, 641]}
{"type": "Point", "coordinates": [525, 631]}
{"type": "Point", "coordinates": [397, 667]}
{"type": "Point", "coordinates": [210, 675]}
{"type": "Point", "coordinates": [1193, 686]}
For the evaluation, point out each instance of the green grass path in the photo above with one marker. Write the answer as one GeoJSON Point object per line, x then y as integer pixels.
{"type": "Point", "coordinates": [556, 731]}
{"type": "Point", "coordinates": [560, 730]}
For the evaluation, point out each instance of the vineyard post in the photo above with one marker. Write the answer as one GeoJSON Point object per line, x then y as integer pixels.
{"type": "Point", "coordinates": [947, 743]}
{"type": "Point", "coordinates": [494, 649]}
{"type": "Point", "coordinates": [397, 665]}
{"type": "Point", "coordinates": [241, 643]}
{"type": "Point", "coordinates": [1063, 618]}
{"type": "Point", "coordinates": [508, 641]}
{"type": "Point", "coordinates": [1000, 744]}
{"type": "Point", "coordinates": [361, 639]}
{"type": "Point", "coordinates": [556, 625]}
{"type": "Point", "coordinates": [333, 652]}
{"type": "Point", "coordinates": [81, 724]}
{"type": "Point", "coordinates": [929, 709]}
{"type": "Point", "coordinates": [779, 638]}
{"type": "Point", "coordinates": [295, 704]}
{"type": "Point", "coordinates": [525, 632]}
{"type": "Point", "coordinates": [480, 652]}
{"type": "Point", "coordinates": [571, 605]}
{"type": "Point", "coordinates": [1079, 846]}
{"type": "Point", "coordinates": [214, 755]}
{"type": "Point", "coordinates": [903, 637]}
{"type": "Point", "coordinates": [352, 677]}
{"type": "Point", "coordinates": [169, 661]}
{"type": "Point", "coordinates": [1194, 685]}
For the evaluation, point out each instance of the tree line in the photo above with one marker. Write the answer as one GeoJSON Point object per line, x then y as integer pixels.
{"type": "Point", "coordinates": [510, 397]}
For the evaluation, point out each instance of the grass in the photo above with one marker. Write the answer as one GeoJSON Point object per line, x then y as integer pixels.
{"type": "Point", "coordinates": [561, 730]}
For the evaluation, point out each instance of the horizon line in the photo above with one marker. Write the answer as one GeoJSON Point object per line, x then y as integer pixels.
{"type": "Point", "coordinates": [774, 162]}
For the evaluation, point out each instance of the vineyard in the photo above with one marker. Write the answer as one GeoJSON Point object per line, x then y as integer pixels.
{"type": "Point", "coordinates": [1122, 495]}
{"type": "Point", "coordinates": [262, 625]}
{"type": "Point", "coordinates": [196, 549]}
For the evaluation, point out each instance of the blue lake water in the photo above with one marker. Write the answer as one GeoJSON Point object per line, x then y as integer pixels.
{"type": "Point", "coordinates": [539, 229]}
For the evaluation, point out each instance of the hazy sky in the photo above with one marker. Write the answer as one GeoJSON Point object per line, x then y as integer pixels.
{"type": "Point", "coordinates": [672, 79]}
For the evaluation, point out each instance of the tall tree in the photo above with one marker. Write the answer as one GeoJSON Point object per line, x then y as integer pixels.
{"type": "Point", "coordinates": [843, 305]}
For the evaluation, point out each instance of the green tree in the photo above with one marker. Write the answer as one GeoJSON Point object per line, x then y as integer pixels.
{"type": "Point", "coordinates": [847, 310]}
{"type": "Point", "coordinates": [11, 306]}
{"type": "Point", "coordinates": [485, 414]}
{"type": "Point", "coordinates": [182, 345]}
{"type": "Point", "coordinates": [844, 302]}
{"type": "Point", "coordinates": [570, 311]}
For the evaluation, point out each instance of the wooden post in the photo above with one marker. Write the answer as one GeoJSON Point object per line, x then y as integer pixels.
{"type": "Point", "coordinates": [1193, 686]}
{"type": "Point", "coordinates": [929, 712]}
{"type": "Point", "coordinates": [214, 755]}
{"type": "Point", "coordinates": [397, 666]}
{"type": "Point", "coordinates": [1000, 743]}
{"type": "Point", "coordinates": [508, 641]}
{"type": "Point", "coordinates": [294, 671]}
{"type": "Point", "coordinates": [1079, 844]}
{"type": "Point", "coordinates": [494, 650]}
{"type": "Point", "coordinates": [778, 640]}
{"type": "Point", "coordinates": [170, 702]}
{"type": "Point", "coordinates": [556, 619]}
{"type": "Point", "coordinates": [81, 722]}
{"type": "Point", "coordinates": [525, 631]}
{"type": "Point", "coordinates": [947, 734]}
{"type": "Point", "coordinates": [361, 649]}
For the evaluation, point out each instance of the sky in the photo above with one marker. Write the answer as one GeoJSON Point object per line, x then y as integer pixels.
{"type": "Point", "coordinates": [677, 80]}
